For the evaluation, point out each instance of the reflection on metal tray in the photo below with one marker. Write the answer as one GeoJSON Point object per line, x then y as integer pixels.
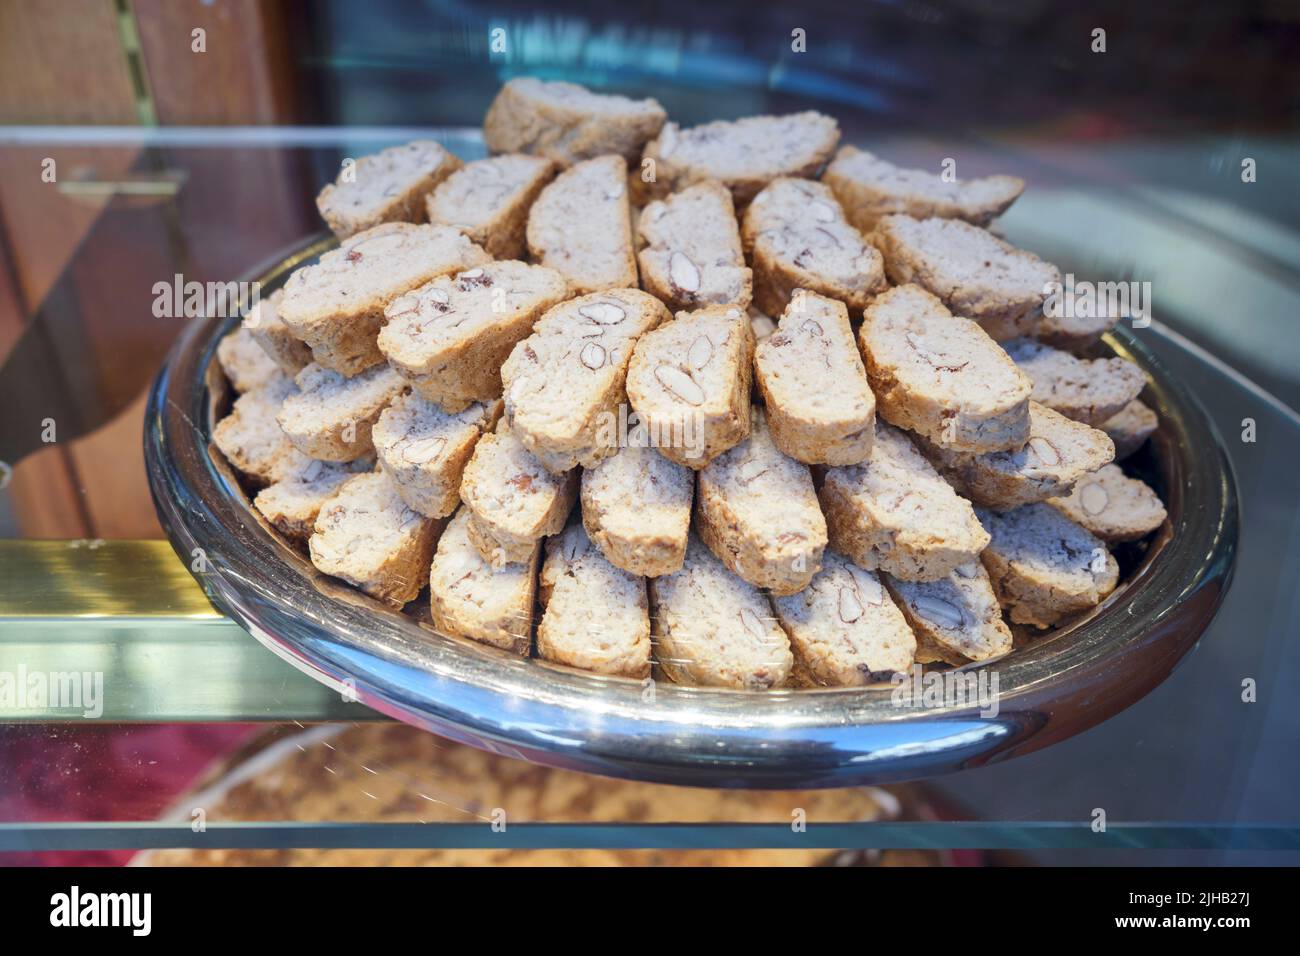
{"type": "Point", "coordinates": [1048, 691]}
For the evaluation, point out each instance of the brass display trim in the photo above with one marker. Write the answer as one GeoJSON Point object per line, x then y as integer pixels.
{"type": "Point", "coordinates": [96, 579]}
{"type": "Point", "coordinates": [128, 636]}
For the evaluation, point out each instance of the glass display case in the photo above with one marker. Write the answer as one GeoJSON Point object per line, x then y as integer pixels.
{"type": "Point", "coordinates": [188, 143]}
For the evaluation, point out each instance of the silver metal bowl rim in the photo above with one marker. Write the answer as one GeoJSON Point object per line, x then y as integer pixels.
{"type": "Point", "coordinates": [672, 734]}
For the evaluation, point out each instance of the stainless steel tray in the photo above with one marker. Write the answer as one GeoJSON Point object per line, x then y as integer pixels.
{"type": "Point", "coordinates": [1048, 691]}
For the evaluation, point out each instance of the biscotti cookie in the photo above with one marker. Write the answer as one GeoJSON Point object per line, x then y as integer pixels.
{"type": "Point", "coordinates": [1074, 333]}
{"type": "Point", "coordinates": [797, 238]}
{"type": "Point", "coordinates": [330, 417]}
{"type": "Point", "coordinates": [1044, 566]}
{"type": "Point", "coordinates": [690, 381]}
{"type": "Point", "coordinates": [564, 383]}
{"type": "Point", "coordinates": [581, 226]}
{"type": "Point", "coordinates": [845, 630]}
{"type": "Point", "coordinates": [245, 363]}
{"type": "Point", "coordinates": [367, 536]}
{"type": "Point", "coordinates": [690, 250]}
{"type": "Point", "coordinates": [337, 305]}
{"type": "Point", "coordinates": [1058, 452]}
{"type": "Point", "coordinates": [895, 513]}
{"type": "Point", "coordinates": [974, 272]}
{"type": "Point", "coordinates": [870, 188]}
{"type": "Point", "coordinates": [514, 502]}
{"type": "Point", "coordinates": [1130, 427]}
{"type": "Point", "coordinates": [425, 450]}
{"type": "Point", "coordinates": [250, 437]}
{"type": "Point", "coordinates": [1112, 506]}
{"type": "Point", "coordinates": [388, 186]}
{"type": "Point", "coordinates": [636, 507]}
{"type": "Point", "coordinates": [713, 629]}
{"type": "Point", "coordinates": [450, 337]}
{"type": "Point", "coordinates": [941, 376]}
{"type": "Point", "coordinates": [489, 199]}
{"type": "Point", "coordinates": [819, 406]}
{"type": "Point", "coordinates": [955, 619]}
{"type": "Point", "coordinates": [757, 511]}
{"type": "Point", "coordinates": [293, 502]}
{"type": "Point", "coordinates": [568, 123]}
{"type": "Point", "coordinates": [469, 597]}
{"type": "Point", "coordinates": [269, 330]}
{"type": "Point", "coordinates": [596, 617]}
{"type": "Point", "coordinates": [1087, 390]}
{"type": "Point", "coordinates": [744, 155]}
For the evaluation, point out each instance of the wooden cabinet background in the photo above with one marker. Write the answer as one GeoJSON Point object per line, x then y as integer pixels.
{"type": "Point", "coordinates": [78, 341]}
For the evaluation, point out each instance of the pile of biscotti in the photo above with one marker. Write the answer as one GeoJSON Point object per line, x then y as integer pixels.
{"type": "Point", "coordinates": [721, 399]}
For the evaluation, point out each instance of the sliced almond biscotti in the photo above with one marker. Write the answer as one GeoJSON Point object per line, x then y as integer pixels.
{"type": "Point", "coordinates": [690, 381]}
{"type": "Point", "coordinates": [845, 630]}
{"type": "Point", "coordinates": [1057, 454]}
{"type": "Point", "coordinates": [1075, 332]}
{"type": "Point", "coordinates": [1044, 566]}
{"type": "Point", "coordinates": [797, 238]}
{"type": "Point", "coordinates": [690, 250]}
{"type": "Point", "coordinates": [1130, 427]}
{"type": "Point", "coordinates": [1087, 390]}
{"type": "Point", "coordinates": [757, 511]}
{"type": "Point", "coordinates": [713, 629]}
{"type": "Point", "coordinates": [568, 123]}
{"type": "Point", "coordinates": [425, 450]}
{"type": "Point", "coordinates": [367, 536]}
{"type": "Point", "coordinates": [819, 406]}
{"type": "Point", "coordinates": [449, 337]}
{"type": "Point", "coordinates": [293, 502]}
{"type": "Point", "coordinates": [513, 501]}
{"type": "Point", "coordinates": [244, 362]}
{"type": "Point", "coordinates": [941, 376]}
{"type": "Point", "coordinates": [250, 437]}
{"type": "Point", "coordinates": [596, 617]}
{"type": "Point", "coordinates": [388, 186]}
{"type": "Point", "coordinates": [1113, 506]}
{"type": "Point", "coordinates": [489, 199]}
{"type": "Point", "coordinates": [956, 619]}
{"type": "Point", "coordinates": [564, 383]}
{"type": "Point", "coordinates": [337, 305]}
{"type": "Point", "coordinates": [636, 507]}
{"type": "Point", "coordinates": [269, 330]}
{"type": "Point", "coordinates": [974, 272]}
{"type": "Point", "coordinates": [330, 417]}
{"type": "Point", "coordinates": [744, 155]}
{"type": "Point", "coordinates": [895, 513]}
{"type": "Point", "coordinates": [469, 597]}
{"type": "Point", "coordinates": [581, 226]}
{"type": "Point", "coordinates": [870, 188]}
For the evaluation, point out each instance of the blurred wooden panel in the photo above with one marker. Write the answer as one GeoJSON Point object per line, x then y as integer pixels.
{"type": "Point", "coordinates": [46, 501]}
{"type": "Point", "coordinates": [13, 314]}
{"type": "Point", "coordinates": [63, 63]}
{"type": "Point", "coordinates": [109, 465]}
{"type": "Point", "coordinates": [245, 76]}
{"type": "Point", "coordinates": [44, 225]}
